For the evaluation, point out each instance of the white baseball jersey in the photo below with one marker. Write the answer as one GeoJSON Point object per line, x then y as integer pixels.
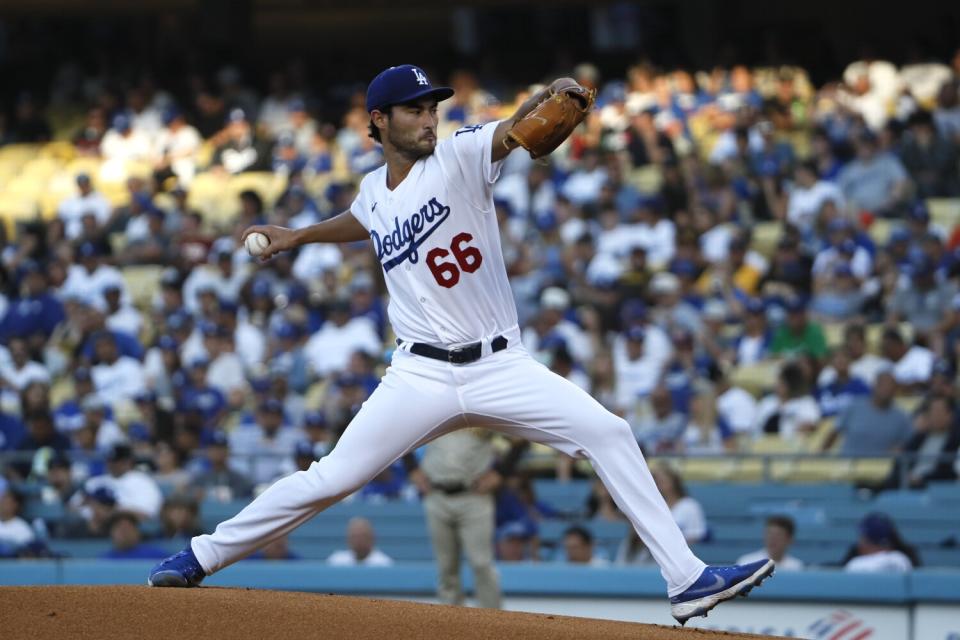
{"type": "Point", "coordinates": [437, 239]}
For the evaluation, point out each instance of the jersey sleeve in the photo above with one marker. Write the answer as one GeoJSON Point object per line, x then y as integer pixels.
{"type": "Point", "coordinates": [359, 208]}
{"type": "Point", "coordinates": [466, 155]}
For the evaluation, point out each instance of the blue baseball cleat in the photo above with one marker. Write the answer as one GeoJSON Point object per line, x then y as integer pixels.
{"type": "Point", "coordinates": [180, 570]}
{"type": "Point", "coordinates": [717, 584]}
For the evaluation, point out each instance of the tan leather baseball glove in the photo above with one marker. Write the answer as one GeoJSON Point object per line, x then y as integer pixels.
{"type": "Point", "coordinates": [551, 121]}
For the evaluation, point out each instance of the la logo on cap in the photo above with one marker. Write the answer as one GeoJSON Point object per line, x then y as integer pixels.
{"type": "Point", "coordinates": [421, 76]}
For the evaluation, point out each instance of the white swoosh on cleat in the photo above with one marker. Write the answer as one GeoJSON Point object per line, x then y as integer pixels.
{"type": "Point", "coordinates": [717, 584]}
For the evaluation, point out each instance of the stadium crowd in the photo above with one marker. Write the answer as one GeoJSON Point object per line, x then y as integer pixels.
{"type": "Point", "coordinates": [725, 258]}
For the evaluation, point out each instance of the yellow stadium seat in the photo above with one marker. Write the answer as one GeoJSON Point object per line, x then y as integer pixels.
{"type": "Point", "coordinates": [268, 185]}
{"type": "Point", "coordinates": [756, 378]}
{"type": "Point", "coordinates": [61, 150]}
{"type": "Point", "coordinates": [765, 237]}
{"type": "Point", "coordinates": [833, 332]}
{"type": "Point", "coordinates": [871, 470]}
{"type": "Point", "coordinates": [647, 179]}
{"type": "Point", "coordinates": [818, 470]}
{"type": "Point", "coordinates": [84, 164]}
{"type": "Point", "coordinates": [874, 335]}
{"type": "Point", "coordinates": [944, 212]}
{"type": "Point", "coordinates": [748, 470]}
{"type": "Point", "coordinates": [909, 404]}
{"type": "Point", "coordinates": [143, 281]}
{"type": "Point", "coordinates": [879, 231]}
{"type": "Point", "coordinates": [707, 469]}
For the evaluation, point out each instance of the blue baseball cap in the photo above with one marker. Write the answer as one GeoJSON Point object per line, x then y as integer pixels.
{"type": "Point", "coordinates": [919, 212]}
{"type": "Point", "coordinates": [795, 304]}
{"type": "Point", "coordinates": [400, 84]}
{"type": "Point", "coordinates": [755, 305]}
{"type": "Point", "coordinates": [303, 449]}
{"type": "Point", "coordinates": [315, 419]}
{"type": "Point", "coordinates": [878, 528]}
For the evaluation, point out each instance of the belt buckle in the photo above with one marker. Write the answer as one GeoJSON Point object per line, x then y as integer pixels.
{"type": "Point", "coordinates": [454, 356]}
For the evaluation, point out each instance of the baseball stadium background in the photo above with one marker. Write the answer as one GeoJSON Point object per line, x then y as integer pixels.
{"type": "Point", "coordinates": [750, 250]}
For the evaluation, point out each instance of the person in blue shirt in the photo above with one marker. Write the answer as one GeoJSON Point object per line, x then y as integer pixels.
{"type": "Point", "coordinates": [12, 431]}
{"type": "Point", "coordinates": [36, 310]}
{"type": "Point", "coordinates": [198, 396]}
{"type": "Point", "coordinates": [836, 396]}
{"type": "Point", "coordinates": [127, 540]}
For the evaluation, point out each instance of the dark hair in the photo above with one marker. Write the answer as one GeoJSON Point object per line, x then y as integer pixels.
{"type": "Point", "coordinates": [784, 522]}
{"type": "Point", "coordinates": [581, 532]}
{"type": "Point", "coordinates": [374, 132]}
{"type": "Point", "coordinates": [675, 479]}
{"type": "Point", "coordinates": [124, 515]}
{"type": "Point", "coordinates": [793, 376]}
{"type": "Point", "coordinates": [855, 329]}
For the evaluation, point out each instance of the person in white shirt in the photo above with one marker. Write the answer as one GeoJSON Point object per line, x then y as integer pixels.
{"type": "Point", "coordinates": [584, 184]}
{"type": "Point", "coordinates": [226, 367]}
{"type": "Point", "coordinates": [222, 276]}
{"type": "Point", "coordinates": [686, 511]}
{"type": "Point", "coordinates": [735, 406]}
{"type": "Point", "coordinates": [116, 378]}
{"type": "Point", "coordinates": [120, 145]}
{"type": "Point", "coordinates": [554, 303]}
{"type": "Point", "coordinates": [72, 210]}
{"type": "Point", "coordinates": [865, 366]}
{"type": "Point", "coordinates": [636, 373]}
{"type": "Point", "coordinates": [87, 280]}
{"type": "Point", "coordinates": [361, 551]}
{"type": "Point", "coordinates": [777, 538]}
{"type": "Point", "coordinates": [134, 490]}
{"type": "Point", "coordinates": [880, 549]}
{"type": "Point", "coordinates": [20, 371]}
{"type": "Point", "coordinates": [176, 146]}
{"type": "Point", "coordinates": [120, 317]}
{"type": "Point", "coordinates": [329, 349]}
{"type": "Point", "coordinates": [790, 412]}
{"type": "Point", "coordinates": [808, 196]}
{"type": "Point", "coordinates": [14, 530]}
{"type": "Point", "coordinates": [911, 365]}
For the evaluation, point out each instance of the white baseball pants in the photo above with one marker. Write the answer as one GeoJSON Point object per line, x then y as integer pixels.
{"type": "Point", "coordinates": [420, 399]}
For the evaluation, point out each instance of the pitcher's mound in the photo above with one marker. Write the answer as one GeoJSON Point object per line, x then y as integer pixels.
{"type": "Point", "coordinates": [121, 613]}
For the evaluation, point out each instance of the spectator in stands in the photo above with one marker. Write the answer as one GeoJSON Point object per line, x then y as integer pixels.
{"type": "Point", "coordinates": [127, 539]}
{"type": "Point", "coordinates": [41, 434]}
{"type": "Point", "coordinates": [89, 514]}
{"type": "Point", "coordinates": [116, 377]}
{"type": "Point", "coordinates": [912, 366]}
{"type": "Point", "coordinates": [777, 537]}
{"type": "Point", "coordinates": [329, 349]}
{"type": "Point", "coordinates": [517, 541]}
{"type": "Point", "coordinates": [791, 411]}
{"type": "Point", "coordinates": [176, 147]}
{"type": "Point", "coordinates": [874, 181]}
{"type": "Point", "coordinates": [798, 334]}
{"type": "Point", "coordinates": [808, 195]}
{"type": "Point", "coordinates": [921, 300]}
{"type": "Point", "coordinates": [753, 344]}
{"type": "Point", "coordinates": [169, 472]}
{"type": "Point", "coordinates": [121, 145]}
{"type": "Point", "coordinates": [29, 122]}
{"type": "Point", "coordinates": [457, 479]}
{"type": "Point", "coordinates": [218, 481]}
{"type": "Point", "coordinates": [578, 548]}
{"type": "Point", "coordinates": [35, 310]}
{"type": "Point", "coordinates": [933, 445]}
{"type": "Point", "coordinates": [880, 549]}
{"type": "Point", "coordinates": [930, 158]}
{"type": "Point", "coordinates": [12, 431]}
{"type": "Point", "coordinates": [60, 485]}
{"type": "Point", "coordinates": [686, 511]}
{"type": "Point", "coordinates": [241, 150]}
{"type": "Point", "coordinates": [21, 369]}
{"type": "Point", "coordinates": [278, 549]}
{"type": "Point", "coordinates": [180, 517]}
{"type": "Point", "coordinates": [106, 433]}
{"type": "Point", "coordinates": [135, 490]}
{"type": "Point", "coordinates": [14, 530]}
{"type": "Point", "coordinates": [120, 317]}
{"type": "Point", "coordinates": [872, 425]}
{"type": "Point", "coordinates": [361, 549]}
{"type": "Point", "coordinates": [864, 366]}
{"type": "Point", "coordinates": [600, 504]}
{"type": "Point", "coordinates": [836, 396]}
{"type": "Point", "coordinates": [636, 372]}
{"type": "Point", "coordinates": [262, 448]}
{"type": "Point", "coordinates": [660, 428]}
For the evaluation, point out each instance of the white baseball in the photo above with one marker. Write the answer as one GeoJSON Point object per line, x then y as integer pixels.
{"type": "Point", "coordinates": [256, 244]}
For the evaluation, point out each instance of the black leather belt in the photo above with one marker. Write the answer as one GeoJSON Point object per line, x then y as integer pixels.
{"type": "Point", "coordinates": [451, 488]}
{"type": "Point", "coordinates": [461, 355]}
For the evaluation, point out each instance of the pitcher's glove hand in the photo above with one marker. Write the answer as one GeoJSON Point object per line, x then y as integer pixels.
{"type": "Point", "coordinates": [553, 120]}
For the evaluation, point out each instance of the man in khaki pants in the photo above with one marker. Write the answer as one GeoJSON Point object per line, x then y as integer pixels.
{"type": "Point", "coordinates": [457, 479]}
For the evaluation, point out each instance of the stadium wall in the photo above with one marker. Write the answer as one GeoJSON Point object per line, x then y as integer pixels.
{"type": "Point", "coordinates": [922, 605]}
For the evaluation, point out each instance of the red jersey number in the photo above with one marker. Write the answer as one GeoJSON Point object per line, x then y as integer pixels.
{"type": "Point", "coordinates": [467, 258]}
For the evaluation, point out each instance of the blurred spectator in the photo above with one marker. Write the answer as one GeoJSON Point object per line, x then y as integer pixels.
{"type": "Point", "coordinates": [660, 428]}
{"type": "Point", "coordinates": [60, 485]}
{"type": "Point", "coordinates": [14, 530]}
{"type": "Point", "coordinates": [791, 411]}
{"type": "Point", "coordinates": [874, 425]}
{"type": "Point", "coordinates": [600, 504]}
{"type": "Point", "coordinates": [34, 310]}
{"type": "Point", "coordinates": [278, 549]}
{"type": "Point", "coordinates": [808, 196]}
{"type": "Point", "coordinates": [121, 145]}
{"type": "Point", "coordinates": [90, 514]}
{"type": "Point", "coordinates": [753, 344]}
{"type": "Point", "coordinates": [931, 159]}
{"type": "Point", "coordinates": [218, 481]}
{"type": "Point", "coordinates": [127, 540]}
{"type": "Point", "coordinates": [798, 335]}
{"type": "Point", "coordinates": [777, 537]}
{"type": "Point", "coordinates": [686, 511]}
{"type": "Point", "coordinates": [180, 517]}
{"type": "Point", "coordinates": [843, 389]}
{"type": "Point", "coordinates": [361, 550]}
{"type": "Point", "coordinates": [880, 549]}
{"type": "Point", "coordinates": [874, 181]}
{"type": "Point", "coordinates": [517, 542]}
{"type": "Point", "coordinates": [932, 447]}
{"type": "Point", "coordinates": [921, 300]}
{"type": "Point", "coordinates": [457, 478]}
{"type": "Point", "coordinates": [176, 145]}
{"type": "Point", "coordinates": [329, 349]}
{"type": "Point", "coordinates": [913, 365]}
{"type": "Point", "coordinates": [578, 548]}
{"type": "Point", "coordinates": [260, 449]}
{"type": "Point", "coordinates": [135, 490]}
{"type": "Point", "coordinates": [169, 472]}
{"type": "Point", "coordinates": [864, 366]}
{"type": "Point", "coordinates": [21, 369]}
{"type": "Point", "coordinates": [636, 372]}
{"type": "Point", "coordinates": [241, 150]}
{"type": "Point", "coordinates": [116, 377]}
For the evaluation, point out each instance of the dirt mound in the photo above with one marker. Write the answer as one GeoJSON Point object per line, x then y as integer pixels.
{"type": "Point", "coordinates": [108, 613]}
